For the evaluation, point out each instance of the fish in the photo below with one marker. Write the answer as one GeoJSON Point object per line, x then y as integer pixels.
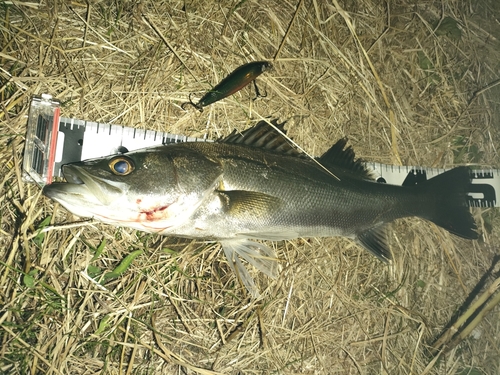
{"type": "Point", "coordinates": [256, 185]}
{"type": "Point", "coordinates": [234, 82]}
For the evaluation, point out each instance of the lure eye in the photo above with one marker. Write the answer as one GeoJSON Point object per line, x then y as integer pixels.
{"type": "Point", "coordinates": [121, 166]}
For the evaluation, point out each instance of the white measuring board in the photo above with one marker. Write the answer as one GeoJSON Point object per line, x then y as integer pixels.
{"type": "Point", "coordinates": [53, 141]}
{"type": "Point", "coordinates": [483, 190]}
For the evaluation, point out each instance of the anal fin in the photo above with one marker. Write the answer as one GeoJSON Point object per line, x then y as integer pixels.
{"type": "Point", "coordinates": [375, 241]}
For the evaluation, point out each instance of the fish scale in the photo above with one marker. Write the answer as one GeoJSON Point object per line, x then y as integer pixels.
{"type": "Point", "coordinates": [256, 186]}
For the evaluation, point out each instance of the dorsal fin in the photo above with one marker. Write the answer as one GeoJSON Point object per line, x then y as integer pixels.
{"type": "Point", "coordinates": [344, 158]}
{"type": "Point", "coordinates": [263, 136]}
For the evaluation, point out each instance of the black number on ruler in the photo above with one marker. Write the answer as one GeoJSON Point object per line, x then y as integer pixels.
{"type": "Point", "coordinates": [478, 195]}
{"type": "Point", "coordinates": [480, 175]}
{"type": "Point", "coordinates": [73, 141]}
{"type": "Point", "coordinates": [481, 195]}
{"type": "Point", "coordinates": [414, 177]}
{"type": "Point", "coordinates": [72, 145]}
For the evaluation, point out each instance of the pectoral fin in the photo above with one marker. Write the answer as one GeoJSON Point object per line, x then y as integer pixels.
{"type": "Point", "coordinates": [375, 241]}
{"type": "Point", "coordinates": [259, 255]}
{"type": "Point", "coordinates": [244, 204]}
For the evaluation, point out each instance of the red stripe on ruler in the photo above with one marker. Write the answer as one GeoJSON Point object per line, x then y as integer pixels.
{"type": "Point", "coordinates": [53, 144]}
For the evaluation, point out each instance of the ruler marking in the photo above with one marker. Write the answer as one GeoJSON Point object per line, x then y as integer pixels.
{"type": "Point", "coordinates": [79, 140]}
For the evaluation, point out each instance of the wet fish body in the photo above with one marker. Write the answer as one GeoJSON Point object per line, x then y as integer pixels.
{"type": "Point", "coordinates": [255, 185]}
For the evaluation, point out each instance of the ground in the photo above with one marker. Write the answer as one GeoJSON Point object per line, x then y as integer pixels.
{"type": "Point", "coordinates": [409, 83]}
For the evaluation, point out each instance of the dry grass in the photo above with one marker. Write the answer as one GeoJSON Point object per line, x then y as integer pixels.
{"type": "Point", "coordinates": [381, 75]}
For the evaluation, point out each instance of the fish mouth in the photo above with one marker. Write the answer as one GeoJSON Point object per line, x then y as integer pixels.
{"type": "Point", "coordinates": [72, 176]}
{"type": "Point", "coordinates": [84, 187]}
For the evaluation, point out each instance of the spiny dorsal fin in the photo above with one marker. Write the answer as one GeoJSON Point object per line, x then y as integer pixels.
{"type": "Point", "coordinates": [263, 136]}
{"type": "Point", "coordinates": [344, 158]}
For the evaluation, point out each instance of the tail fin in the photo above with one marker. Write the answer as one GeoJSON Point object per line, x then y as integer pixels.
{"type": "Point", "coordinates": [447, 193]}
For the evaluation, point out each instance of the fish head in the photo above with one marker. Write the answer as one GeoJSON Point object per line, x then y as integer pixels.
{"type": "Point", "coordinates": [151, 189]}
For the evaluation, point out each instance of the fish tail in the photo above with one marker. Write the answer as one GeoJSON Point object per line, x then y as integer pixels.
{"type": "Point", "coordinates": [445, 204]}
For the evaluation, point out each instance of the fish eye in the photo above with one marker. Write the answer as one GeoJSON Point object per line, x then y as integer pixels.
{"type": "Point", "coordinates": [121, 166]}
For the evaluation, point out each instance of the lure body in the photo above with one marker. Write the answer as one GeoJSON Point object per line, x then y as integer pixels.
{"type": "Point", "coordinates": [234, 82]}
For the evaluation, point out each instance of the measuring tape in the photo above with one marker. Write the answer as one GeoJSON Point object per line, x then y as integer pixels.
{"type": "Point", "coordinates": [52, 141]}
{"type": "Point", "coordinates": [483, 189]}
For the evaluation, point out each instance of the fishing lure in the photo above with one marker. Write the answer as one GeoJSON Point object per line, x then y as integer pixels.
{"type": "Point", "coordinates": [234, 82]}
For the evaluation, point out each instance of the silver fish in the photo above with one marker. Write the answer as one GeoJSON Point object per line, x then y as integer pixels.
{"type": "Point", "coordinates": [256, 185]}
